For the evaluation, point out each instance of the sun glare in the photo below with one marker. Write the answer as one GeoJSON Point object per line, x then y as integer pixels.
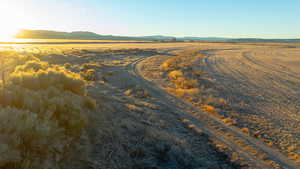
{"type": "Point", "coordinates": [8, 32]}
{"type": "Point", "coordinates": [12, 19]}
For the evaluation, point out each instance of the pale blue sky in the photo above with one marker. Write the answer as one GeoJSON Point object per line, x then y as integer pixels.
{"type": "Point", "coordinates": [225, 18]}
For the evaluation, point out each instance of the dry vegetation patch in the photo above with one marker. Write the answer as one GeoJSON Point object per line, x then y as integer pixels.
{"type": "Point", "coordinates": [137, 91]}
{"type": "Point", "coordinates": [44, 115]}
{"type": "Point", "coordinates": [185, 80]}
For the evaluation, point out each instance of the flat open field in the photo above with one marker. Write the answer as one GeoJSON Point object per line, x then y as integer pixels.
{"type": "Point", "coordinates": [264, 84]}
{"type": "Point", "coordinates": [176, 105]}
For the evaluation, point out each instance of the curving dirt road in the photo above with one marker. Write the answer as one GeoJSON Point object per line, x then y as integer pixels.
{"type": "Point", "coordinates": [258, 84]}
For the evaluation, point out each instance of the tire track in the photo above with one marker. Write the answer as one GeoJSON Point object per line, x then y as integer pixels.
{"type": "Point", "coordinates": [212, 126]}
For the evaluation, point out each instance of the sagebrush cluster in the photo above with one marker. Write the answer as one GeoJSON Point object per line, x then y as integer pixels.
{"type": "Point", "coordinates": [44, 113]}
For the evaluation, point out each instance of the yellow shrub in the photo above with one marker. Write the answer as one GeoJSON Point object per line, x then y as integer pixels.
{"type": "Point", "coordinates": [137, 92]}
{"type": "Point", "coordinates": [47, 77]}
{"type": "Point", "coordinates": [208, 108]}
{"type": "Point", "coordinates": [175, 74]}
{"type": "Point", "coordinates": [245, 131]}
{"type": "Point", "coordinates": [170, 64]}
{"type": "Point", "coordinates": [33, 65]}
{"type": "Point", "coordinates": [164, 66]}
{"type": "Point", "coordinates": [128, 92]}
{"type": "Point", "coordinates": [44, 113]}
{"type": "Point", "coordinates": [87, 66]}
{"type": "Point", "coordinates": [183, 83]}
{"type": "Point", "coordinates": [229, 121]}
{"type": "Point", "coordinates": [183, 92]}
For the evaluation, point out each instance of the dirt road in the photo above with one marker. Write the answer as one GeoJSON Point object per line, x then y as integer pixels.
{"type": "Point", "coordinates": [265, 89]}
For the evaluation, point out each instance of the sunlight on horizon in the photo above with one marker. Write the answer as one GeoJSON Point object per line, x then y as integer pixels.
{"type": "Point", "coordinates": [13, 18]}
{"type": "Point", "coordinates": [7, 34]}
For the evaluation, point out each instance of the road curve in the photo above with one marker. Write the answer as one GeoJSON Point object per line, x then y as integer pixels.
{"type": "Point", "coordinates": [259, 155]}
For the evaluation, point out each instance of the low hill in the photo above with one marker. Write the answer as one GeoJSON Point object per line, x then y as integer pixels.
{"type": "Point", "coordinates": [45, 34]}
{"type": "Point", "coordinates": [85, 35]}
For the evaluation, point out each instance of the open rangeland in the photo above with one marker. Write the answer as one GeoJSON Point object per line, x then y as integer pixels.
{"type": "Point", "coordinates": [152, 105]}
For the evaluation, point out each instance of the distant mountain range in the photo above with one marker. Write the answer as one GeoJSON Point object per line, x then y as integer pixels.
{"type": "Point", "coordinates": [82, 35]}
{"type": "Point", "coordinates": [79, 35]}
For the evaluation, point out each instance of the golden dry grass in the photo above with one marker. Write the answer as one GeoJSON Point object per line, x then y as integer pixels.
{"type": "Point", "coordinates": [183, 92]}
{"type": "Point", "coordinates": [43, 115]}
{"type": "Point", "coordinates": [229, 121]}
{"type": "Point", "coordinates": [245, 131]}
{"type": "Point", "coordinates": [175, 74]}
{"type": "Point", "coordinates": [208, 108]}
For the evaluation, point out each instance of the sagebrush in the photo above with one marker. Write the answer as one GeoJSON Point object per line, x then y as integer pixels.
{"type": "Point", "coordinates": [44, 113]}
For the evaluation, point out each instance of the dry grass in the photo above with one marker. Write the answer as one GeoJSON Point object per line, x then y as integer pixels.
{"type": "Point", "coordinates": [67, 65]}
{"type": "Point", "coordinates": [44, 113]}
{"type": "Point", "coordinates": [185, 121]}
{"type": "Point", "coordinates": [128, 92]}
{"type": "Point", "coordinates": [175, 74]}
{"type": "Point", "coordinates": [183, 92]}
{"type": "Point", "coordinates": [137, 92]}
{"type": "Point", "coordinates": [133, 107]}
{"type": "Point", "coordinates": [149, 105]}
{"type": "Point", "coordinates": [184, 83]}
{"type": "Point", "coordinates": [89, 75]}
{"type": "Point", "coordinates": [191, 126]}
{"type": "Point", "coordinates": [294, 156]}
{"type": "Point", "coordinates": [87, 66]}
{"type": "Point", "coordinates": [170, 64]}
{"type": "Point", "coordinates": [208, 108]}
{"type": "Point", "coordinates": [245, 131]}
{"type": "Point", "coordinates": [229, 121]}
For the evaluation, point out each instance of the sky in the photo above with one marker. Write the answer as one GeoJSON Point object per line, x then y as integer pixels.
{"type": "Point", "coordinates": [203, 18]}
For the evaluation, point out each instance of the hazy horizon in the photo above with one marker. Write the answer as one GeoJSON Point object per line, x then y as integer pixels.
{"type": "Point", "coordinates": [154, 34]}
{"type": "Point", "coordinates": [226, 18]}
